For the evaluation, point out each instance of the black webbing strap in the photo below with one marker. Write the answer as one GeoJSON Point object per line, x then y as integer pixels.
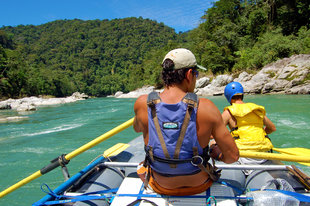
{"type": "Point", "coordinates": [147, 177]}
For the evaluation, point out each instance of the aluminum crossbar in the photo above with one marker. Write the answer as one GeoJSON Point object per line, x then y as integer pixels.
{"type": "Point", "coordinates": [220, 166]}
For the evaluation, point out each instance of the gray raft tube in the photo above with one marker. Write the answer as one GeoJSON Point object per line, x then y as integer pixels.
{"type": "Point", "coordinates": [109, 175]}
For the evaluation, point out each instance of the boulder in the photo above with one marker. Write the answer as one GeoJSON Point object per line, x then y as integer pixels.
{"type": "Point", "coordinates": [260, 77]}
{"type": "Point", "coordinates": [117, 94]}
{"type": "Point", "coordinates": [275, 85]}
{"type": "Point", "coordinates": [210, 90]}
{"type": "Point", "coordinates": [243, 77]}
{"type": "Point", "coordinates": [78, 95]}
{"type": "Point", "coordinates": [4, 105]}
{"type": "Point", "coordinates": [202, 82]}
{"type": "Point", "coordinates": [301, 89]}
{"type": "Point", "coordinates": [26, 107]}
{"type": "Point", "coordinates": [221, 80]}
{"type": "Point", "coordinates": [138, 92]}
{"type": "Point", "coordinates": [252, 87]}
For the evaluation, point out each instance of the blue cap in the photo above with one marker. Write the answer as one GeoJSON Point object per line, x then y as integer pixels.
{"type": "Point", "coordinates": [232, 89]}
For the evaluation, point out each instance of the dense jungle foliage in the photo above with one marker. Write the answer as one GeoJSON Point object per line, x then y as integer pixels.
{"type": "Point", "coordinates": [101, 57]}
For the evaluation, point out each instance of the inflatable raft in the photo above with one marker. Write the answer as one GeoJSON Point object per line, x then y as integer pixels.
{"type": "Point", "coordinates": [113, 181]}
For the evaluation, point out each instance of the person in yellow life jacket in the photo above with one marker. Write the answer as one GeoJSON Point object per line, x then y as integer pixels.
{"type": "Point", "coordinates": [248, 123]}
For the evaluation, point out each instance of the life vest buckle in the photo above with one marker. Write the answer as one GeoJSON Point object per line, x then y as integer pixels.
{"type": "Point", "coordinates": [197, 160]}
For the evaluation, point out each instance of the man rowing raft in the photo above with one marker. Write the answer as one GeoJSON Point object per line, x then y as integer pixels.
{"type": "Point", "coordinates": [177, 127]}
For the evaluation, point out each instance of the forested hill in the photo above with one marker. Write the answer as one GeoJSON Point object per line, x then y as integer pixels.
{"type": "Point", "coordinates": [95, 57]}
{"type": "Point", "coordinates": [100, 57]}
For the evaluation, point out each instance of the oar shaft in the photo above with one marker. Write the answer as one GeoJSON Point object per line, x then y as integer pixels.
{"type": "Point", "coordinates": [20, 183]}
{"type": "Point", "coordinates": [274, 156]}
{"type": "Point", "coordinates": [99, 139]}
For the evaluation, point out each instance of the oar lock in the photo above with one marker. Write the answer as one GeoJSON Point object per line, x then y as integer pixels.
{"type": "Point", "coordinates": [61, 160]}
{"type": "Point", "coordinates": [58, 161]}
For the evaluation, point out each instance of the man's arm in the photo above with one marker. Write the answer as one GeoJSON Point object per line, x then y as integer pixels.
{"type": "Point", "coordinates": [140, 109]}
{"type": "Point", "coordinates": [225, 141]}
{"type": "Point", "coordinates": [269, 126]}
{"type": "Point", "coordinates": [229, 119]}
{"type": "Point", "coordinates": [226, 116]}
{"type": "Point", "coordinates": [220, 133]}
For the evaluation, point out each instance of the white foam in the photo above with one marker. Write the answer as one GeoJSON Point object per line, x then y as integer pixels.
{"type": "Point", "coordinates": [114, 110]}
{"type": "Point", "coordinates": [286, 122]}
{"type": "Point", "coordinates": [55, 129]}
{"type": "Point", "coordinates": [297, 124]}
{"type": "Point", "coordinates": [36, 150]}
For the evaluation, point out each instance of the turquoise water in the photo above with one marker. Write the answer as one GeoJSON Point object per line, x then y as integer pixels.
{"type": "Point", "coordinates": [29, 145]}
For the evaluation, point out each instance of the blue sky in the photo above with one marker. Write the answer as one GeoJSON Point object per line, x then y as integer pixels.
{"type": "Point", "coordinates": [182, 15]}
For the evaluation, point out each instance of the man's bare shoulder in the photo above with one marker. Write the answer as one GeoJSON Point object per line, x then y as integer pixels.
{"type": "Point", "coordinates": [142, 98]}
{"type": "Point", "coordinates": [206, 104]}
{"type": "Point", "coordinates": [141, 101]}
{"type": "Point", "coordinates": [208, 110]}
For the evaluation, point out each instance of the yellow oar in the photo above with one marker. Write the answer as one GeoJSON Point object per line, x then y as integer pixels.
{"type": "Point", "coordinates": [293, 151]}
{"type": "Point", "coordinates": [275, 156]}
{"type": "Point", "coordinates": [297, 151]}
{"type": "Point", "coordinates": [55, 163]}
{"type": "Point", "coordinates": [115, 150]}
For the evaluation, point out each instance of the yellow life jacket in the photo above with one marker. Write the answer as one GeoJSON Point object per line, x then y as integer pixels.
{"type": "Point", "coordinates": [249, 134]}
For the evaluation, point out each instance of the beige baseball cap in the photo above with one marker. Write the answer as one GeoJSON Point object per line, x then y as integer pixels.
{"type": "Point", "coordinates": [183, 58]}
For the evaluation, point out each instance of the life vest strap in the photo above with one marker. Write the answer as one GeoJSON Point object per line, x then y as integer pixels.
{"type": "Point", "coordinates": [182, 132]}
{"type": "Point", "coordinates": [191, 100]}
{"type": "Point", "coordinates": [168, 161]}
{"type": "Point", "coordinates": [152, 100]}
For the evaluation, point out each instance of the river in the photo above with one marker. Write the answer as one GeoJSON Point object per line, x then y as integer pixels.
{"type": "Point", "coordinates": [27, 146]}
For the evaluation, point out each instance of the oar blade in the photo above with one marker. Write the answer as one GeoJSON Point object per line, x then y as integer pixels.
{"type": "Point", "coordinates": [115, 150]}
{"type": "Point", "coordinates": [304, 163]}
{"type": "Point", "coordinates": [294, 151]}
{"type": "Point", "coordinates": [276, 156]}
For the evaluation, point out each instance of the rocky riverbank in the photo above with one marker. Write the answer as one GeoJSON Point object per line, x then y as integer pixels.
{"type": "Point", "coordinates": [31, 103]}
{"type": "Point", "coordinates": [285, 76]}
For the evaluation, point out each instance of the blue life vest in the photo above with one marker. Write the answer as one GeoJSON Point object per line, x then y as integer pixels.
{"type": "Point", "coordinates": [171, 149]}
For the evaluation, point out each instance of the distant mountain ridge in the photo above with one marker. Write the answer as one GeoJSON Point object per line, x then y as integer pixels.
{"type": "Point", "coordinates": [96, 57]}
